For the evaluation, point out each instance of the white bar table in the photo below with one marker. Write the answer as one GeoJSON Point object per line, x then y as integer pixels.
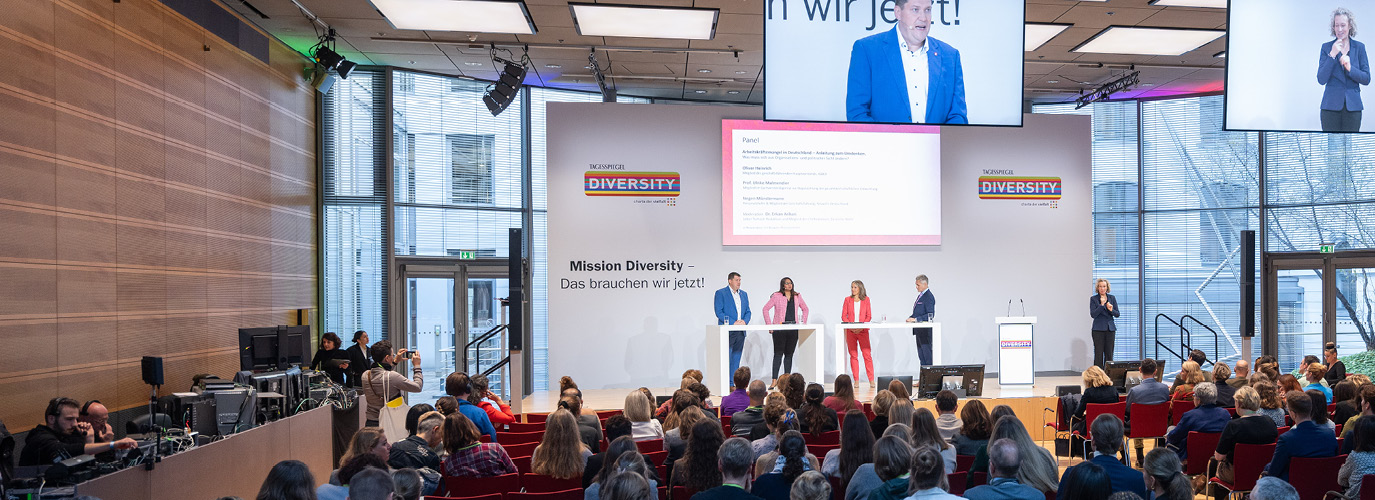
{"type": "Point", "coordinates": [807, 359]}
{"type": "Point", "coordinates": [897, 334]}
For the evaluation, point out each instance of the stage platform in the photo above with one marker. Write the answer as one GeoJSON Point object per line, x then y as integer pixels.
{"type": "Point", "coordinates": [1029, 402]}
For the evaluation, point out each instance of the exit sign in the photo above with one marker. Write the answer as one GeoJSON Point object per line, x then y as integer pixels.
{"type": "Point", "coordinates": [467, 254]}
{"type": "Point", "coordinates": [1328, 248]}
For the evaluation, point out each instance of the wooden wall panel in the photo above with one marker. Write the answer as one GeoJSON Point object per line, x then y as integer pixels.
{"type": "Point", "coordinates": [156, 197]}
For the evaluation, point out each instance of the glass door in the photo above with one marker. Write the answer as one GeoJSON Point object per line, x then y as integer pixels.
{"type": "Point", "coordinates": [1300, 314]}
{"type": "Point", "coordinates": [1311, 299]}
{"type": "Point", "coordinates": [487, 338]}
{"type": "Point", "coordinates": [430, 317]}
{"type": "Point", "coordinates": [1355, 304]}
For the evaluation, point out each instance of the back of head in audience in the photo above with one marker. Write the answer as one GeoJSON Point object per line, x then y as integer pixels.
{"type": "Point", "coordinates": [1221, 373]}
{"type": "Point", "coordinates": [1086, 481]}
{"type": "Point", "coordinates": [1270, 397]}
{"type": "Point", "coordinates": [1300, 406]}
{"type": "Point", "coordinates": [901, 412]}
{"type": "Point", "coordinates": [899, 389]}
{"type": "Point", "coordinates": [1096, 377]}
{"type": "Point", "coordinates": [1198, 356]}
{"type": "Point", "coordinates": [946, 401]}
{"type": "Point", "coordinates": [892, 456]}
{"type": "Point", "coordinates": [928, 469]}
{"type": "Point", "coordinates": [811, 485]}
{"type": "Point", "coordinates": [856, 444]}
{"type": "Point", "coordinates": [1148, 367]}
{"type": "Point", "coordinates": [1125, 495]}
{"type": "Point", "coordinates": [446, 405]}
{"type": "Point", "coordinates": [348, 469]}
{"type": "Point", "coordinates": [616, 426]}
{"type": "Point", "coordinates": [1363, 434]}
{"type": "Point", "coordinates": [999, 412]}
{"type": "Point", "coordinates": [925, 432]}
{"type": "Point", "coordinates": [1107, 434]}
{"type": "Point", "coordinates": [793, 450]}
{"type": "Point", "coordinates": [1003, 458]}
{"type": "Point", "coordinates": [736, 460]}
{"type": "Point", "coordinates": [701, 391]}
{"type": "Point", "coordinates": [618, 446]}
{"type": "Point", "coordinates": [559, 454]}
{"type": "Point", "coordinates": [1205, 393]}
{"type": "Point", "coordinates": [1316, 372]}
{"type": "Point", "coordinates": [976, 420]}
{"type": "Point", "coordinates": [900, 431]}
{"type": "Point", "coordinates": [1273, 488]}
{"type": "Point", "coordinates": [288, 480]}
{"type": "Point", "coordinates": [882, 402]}
{"type": "Point", "coordinates": [1164, 473]}
{"type": "Point", "coordinates": [1247, 399]}
{"type": "Point", "coordinates": [372, 484]}
{"type": "Point", "coordinates": [1343, 391]}
{"type": "Point", "coordinates": [741, 377]}
{"type": "Point", "coordinates": [1319, 414]}
{"type": "Point", "coordinates": [637, 408]}
{"type": "Point", "coordinates": [459, 432]}
{"type": "Point", "coordinates": [626, 486]}
{"type": "Point", "coordinates": [794, 391]}
{"type": "Point", "coordinates": [693, 374]}
{"type": "Point", "coordinates": [458, 385]}
{"type": "Point", "coordinates": [757, 391]}
{"type": "Point", "coordinates": [413, 417]}
{"type": "Point", "coordinates": [816, 415]}
{"type": "Point", "coordinates": [408, 483]}
{"type": "Point", "coordinates": [700, 458]}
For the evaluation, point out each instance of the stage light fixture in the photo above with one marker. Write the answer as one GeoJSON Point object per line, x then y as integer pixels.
{"type": "Point", "coordinates": [500, 94]}
{"type": "Point", "coordinates": [327, 57]}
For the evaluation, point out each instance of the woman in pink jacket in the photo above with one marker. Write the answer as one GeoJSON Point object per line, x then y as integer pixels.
{"type": "Point", "coordinates": [855, 309]}
{"type": "Point", "coordinates": [787, 308]}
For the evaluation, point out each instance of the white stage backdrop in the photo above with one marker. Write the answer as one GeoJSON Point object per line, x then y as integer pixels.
{"type": "Point", "coordinates": [631, 277]}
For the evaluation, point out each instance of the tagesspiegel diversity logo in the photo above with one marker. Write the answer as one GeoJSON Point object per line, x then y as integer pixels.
{"type": "Point", "coordinates": [1019, 188]}
{"type": "Point", "coordinates": [596, 183]}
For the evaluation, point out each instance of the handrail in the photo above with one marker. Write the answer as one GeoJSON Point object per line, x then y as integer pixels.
{"type": "Point", "coordinates": [1217, 354]}
{"type": "Point", "coordinates": [484, 337]}
{"type": "Point", "coordinates": [504, 361]}
{"type": "Point", "coordinates": [1182, 331]}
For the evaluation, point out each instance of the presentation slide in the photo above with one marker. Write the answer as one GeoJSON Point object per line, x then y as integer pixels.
{"type": "Point", "coordinates": [830, 184]}
{"type": "Point", "coordinates": [935, 62]}
{"type": "Point", "coordinates": [1309, 75]}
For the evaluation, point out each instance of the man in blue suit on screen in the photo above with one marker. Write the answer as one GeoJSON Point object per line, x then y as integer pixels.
{"type": "Point", "coordinates": [905, 76]}
{"type": "Point", "coordinates": [733, 308]}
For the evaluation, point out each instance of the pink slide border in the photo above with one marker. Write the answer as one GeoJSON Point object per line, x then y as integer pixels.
{"type": "Point", "coordinates": [728, 128]}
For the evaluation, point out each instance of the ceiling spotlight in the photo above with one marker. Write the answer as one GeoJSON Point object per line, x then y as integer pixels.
{"type": "Point", "coordinates": [327, 57]}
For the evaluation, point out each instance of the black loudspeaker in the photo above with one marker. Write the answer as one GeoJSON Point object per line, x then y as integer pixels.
{"type": "Point", "coordinates": [515, 273]}
{"type": "Point", "coordinates": [152, 370]}
{"type": "Point", "coordinates": [505, 89]}
{"type": "Point", "coordinates": [1248, 283]}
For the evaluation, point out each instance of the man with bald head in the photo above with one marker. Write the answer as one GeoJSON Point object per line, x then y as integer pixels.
{"type": "Point", "coordinates": [96, 414]}
{"type": "Point", "coordinates": [744, 421]}
{"type": "Point", "coordinates": [1240, 374]}
{"type": "Point", "coordinates": [1003, 462]}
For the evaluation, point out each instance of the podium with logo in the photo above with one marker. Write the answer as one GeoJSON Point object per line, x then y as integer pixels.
{"type": "Point", "coordinates": [1016, 350]}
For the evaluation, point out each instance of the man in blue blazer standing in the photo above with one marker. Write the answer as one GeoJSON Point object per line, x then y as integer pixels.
{"type": "Point", "coordinates": [733, 308]}
{"type": "Point", "coordinates": [903, 75]}
{"type": "Point", "coordinates": [924, 309]}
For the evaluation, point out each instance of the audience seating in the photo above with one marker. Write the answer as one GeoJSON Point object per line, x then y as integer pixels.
{"type": "Point", "coordinates": [1178, 409]}
{"type": "Point", "coordinates": [1288, 420]}
{"type": "Point", "coordinates": [519, 437]}
{"type": "Point", "coordinates": [522, 464]}
{"type": "Point", "coordinates": [537, 483]}
{"type": "Point", "coordinates": [957, 481]}
{"type": "Point", "coordinates": [655, 457]}
{"type": "Point", "coordinates": [978, 479]}
{"type": "Point", "coordinates": [963, 462]}
{"type": "Point", "coordinates": [725, 422]}
{"type": "Point", "coordinates": [538, 418]}
{"type": "Point", "coordinates": [520, 427]}
{"type": "Point", "coordinates": [1232, 411]}
{"type": "Point", "coordinates": [493, 496]}
{"type": "Point", "coordinates": [1367, 493]}
{"type": "Point", "coordinates": [1341, 442]}
{"type": "Point", "coordinates": [1339, 429]}
{"type": "Point", "coordinates": [1280, 431]}
{"type": "Point", "coordinates": [869, 411]}
{"type": "Point", "coordinates": [820, 449]}
{"type": "Point", "coordinates": [520, 450]}
{"type": "Point", "coordinates": [681, 493]}
{"type": "Point", "coordinates": [1201, 447]}
{"type": "Point", "coordinates": [1091, 413]}
{"type": "Point", "coordinates": [475, 486]}
{"type": "Point", "coordinates": [568, 494]}
{"type": "Point", "coordinates": [832, 437]}
{"type": "Point", "coordinates": [1149, 422]}
{"type": "Point", "coordinates": [603, 415]}
{"type": "Point", "coordinates": [662, 470]}
{"type": "Point", "coordinates": [663, 493]}
{"type": "Point", "coordinates": [1314, 477]}
{"type": "Point", "coordinates": [650, 445]}
{"type": "Point", "coordinates": [1250, 460]}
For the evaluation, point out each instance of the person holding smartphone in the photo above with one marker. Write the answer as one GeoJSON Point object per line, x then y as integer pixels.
{"type": "Point", "coordinates": [788, 309]}
{"type": "Point", "coordinates": [381, 383]}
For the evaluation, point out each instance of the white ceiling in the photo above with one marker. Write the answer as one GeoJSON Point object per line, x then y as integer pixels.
{"type": "Point", "coordinates": [367, 38]}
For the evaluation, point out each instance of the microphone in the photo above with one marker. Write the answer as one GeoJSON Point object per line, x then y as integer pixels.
{"type": "Point", "coordinates": [1009, 307]}
{"type": "Point", "coordinates": [1023, 306]}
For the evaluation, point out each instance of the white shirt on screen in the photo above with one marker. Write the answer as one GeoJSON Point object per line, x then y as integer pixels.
{"type": "Point", "coordinates": [735, 294]}
{"type": "Point", "coordinates": [918, 77]}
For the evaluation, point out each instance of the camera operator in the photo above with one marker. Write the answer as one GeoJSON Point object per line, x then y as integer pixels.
{"type": "Point", "coordinates": [64, 436]}
{"type": "Point", "coordinates": [380, 378]}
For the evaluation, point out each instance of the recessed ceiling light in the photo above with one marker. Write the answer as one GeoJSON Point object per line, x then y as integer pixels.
{"type": "Point", "coordinates": [1222, 54]}
{"type": "Point", "coordinates": [732, 92]}
{"type": "Point", "coordinates": [1052, 81]}
{"type": "Point", "coordinates": [1148, 41]}
{"type": "Point", "coordinates": [644, 21]}
{"type": "Point", "coordinates": [741, 72]}
{"type": "Point", "coordinates": [1038, 34]}
{"type": "Point", "coordinates": [704, 70]}
{"type": "Point", "coordinates": [1146, 85]}
{"type": "Point", "coordinates": [412, 62]}
{"type": "Point", "coordinates": [473, 63]}
{"type": "Point", "coordinates": [482, 16]}
{"type": "Point", "coordinates": [1214, 4]}
{"type": "Point", "coordinates": [553, 66]}
{"type": "Point", "coordinates": [700, 91]}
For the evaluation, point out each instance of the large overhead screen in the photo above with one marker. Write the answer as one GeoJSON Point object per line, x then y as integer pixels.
{"type": "Point", "coordinates": [1288, 71]}
{"type": "Point", "coordinates": [854, 61]}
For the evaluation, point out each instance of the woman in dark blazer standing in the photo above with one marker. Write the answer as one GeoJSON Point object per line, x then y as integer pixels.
{"type": "Point", "coordinates": [1342, 69]}
{"type": "Point", "coordinates": [1103, 308]}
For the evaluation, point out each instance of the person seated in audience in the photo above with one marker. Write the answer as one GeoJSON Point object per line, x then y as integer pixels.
{"type": "Point", "coordinates": [811, 485]}
{"type": "Point", "coordinates": [703, 397]}
{"type": "Point", "coordinates": [1004, 463]}
{"type": "Point", "coordinates": [1304, 439]}
{"type": "Point", "coordinates": [617, 427]}
{"type": "Point", "coordinates": [330, 359]}
{"type": "Point", "coordinates": [1316, 382]}
{"type": "Point", "coordinates": [902, 412]}
{"type": "Point", "coordinates": [417, 451]}
{"type": "Point", "coordinates": [925, 433]}
{"type": "Point", "coordinates": [1270, 488]}
{"type": "Point", "coordinates": [856, 448]}
{"type": "Point", "coordinates": [778, 418]}
{"type": "Point", "coordinates": [947, 421]}
{"type": "Point", "coordinates": [738, 399]}
{"type": "Point", "coordinates": [1107, 434]}
{"type": "Point", "coordinates": [288, 480]}
{"type": "Point", "coordinates": [689, 377]}
{"type": "Point", "coordinates": [1240, 374]}
{"type": "Point", "coordinates": [1365, 400]}
{"type": "Point", "coordinates": [1271, 402]}
{"type": "Point", "coordinates": [743, 422]}
{"type": "Point", "coordinates": [627, 485]}
{"type": "Point", "coordinates": [561, 454]}
{"type": "Point", "coordinates": [1037, 467]}
{"type": "Point", "coordinates": [882, 402]}
{"type": "Point", "coordinates": [1320, 415]}
{"type": "Point", "coordinates": [1150, 392]}
{"type": "Point", "coordinates": [1190, 376]}
{"type": "Point", "coordinates": [638, 410]}
{"type": "Point", "coordinates": [498, 412]}
{"type": "Point", "coordinates": [816, 417]}
{"type": "Point", "coordinates": [794, 389]}
{"type": "Point", "coordinates": [775, 472]}
{"type": "Point", "coordinates": [1206, 416]}
{"type": "Point", "coordinates": [338, 487]}
{"type": "Point", "coordinates": [899, 389]}
{"type": "Point", "coordinates": [1225, 392]}
{"type": "Point", "coordinates": [771, 461]}
{"type": "Point", "coordinates": [589, 426]}
{"type": "Point", "coordinates": [676, 439]}
{"type": "Point", "coordinates": [1288, 383]}
{"type": "Point", "coordinates": [413, 417]}
{"type": "Point", "coordinates": [63, 435]}
{"type": "Point", "coordinates": [1360, 460]}
{"type": "Point", "coordinates": [446, 405]}
{"type": "Point", "coordinates": [382, 384]}
{"type": "Point", "coordinates": [927, 477]}
{"type": "Point", "coordinates": [735, 460]}
{"type": "Point", "coordinates": [886, 478]}
{"type": "Point", "coordinates": [843, 399]}
{"type": "Point", "coordinates": [697, 470]}
{"type": "Point", "coordinates": [1098, 389]}
{"type": "Point", "coordinates": [458, 385]}
{"type": "Point", "coordinates": [681, 400]}
{"type": "Point", "coordinates": [1360, 379]}
{"type": "Point", "coordinates": [367, 441]}
{"type": "Point", "coordinates": [410, 485]}
{"type": "Point", "coordinates": [1250, 427]}
{"type": "Point", "coordinates": [623, 457]}
{"type": "Point", "coordinates": [1090, 480]}
{"type": "Point", "coordinates": [973, 434]}
{"type": "Point", "coordinates": [468, 456]}
{"type": "Point", "coordinates": [1346, 398]}
{"type": "Point", "coordinates": [1198, 358]}
{"type": "Point", "coordinates": [372, 484]}
{"type": "Point", "coordinates": [567, 384]}
{"type": "Point", "coordinates": [1310, 360]}
{"type": "Point", "coordinates": [1164, 476]}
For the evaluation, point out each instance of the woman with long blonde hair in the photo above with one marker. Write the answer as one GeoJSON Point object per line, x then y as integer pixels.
{"type": "Point", "coordinates": [561, 454]}
{"type": "Point", "coordinates": [1190, 375]}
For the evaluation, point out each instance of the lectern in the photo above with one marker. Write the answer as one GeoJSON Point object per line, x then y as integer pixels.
{"type": "Point", "coordinates": [1016, 350]}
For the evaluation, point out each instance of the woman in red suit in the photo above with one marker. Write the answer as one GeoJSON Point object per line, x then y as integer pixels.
{"type": "Point", "coordinates": [856, 310]}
